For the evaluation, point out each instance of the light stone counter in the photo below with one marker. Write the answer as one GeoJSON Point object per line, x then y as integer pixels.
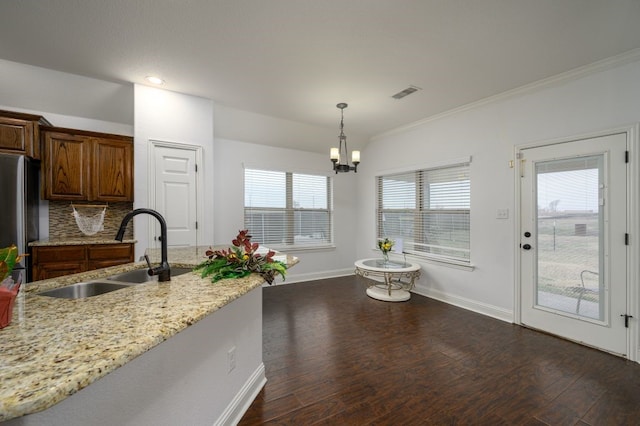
{"type": "Point", "coordinates": [55, 347]}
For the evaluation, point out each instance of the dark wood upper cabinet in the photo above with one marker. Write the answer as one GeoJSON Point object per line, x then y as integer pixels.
{"type": "Point", "coordinates": [19, 133]}
{"type": "Point", "coordinates": [112, 170]}
{"type": "Point", "coordinates": [66, 166]}
{"type": "Point", "coordinates": [86, 166]}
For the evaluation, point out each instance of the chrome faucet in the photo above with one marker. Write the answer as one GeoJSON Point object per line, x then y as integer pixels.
{"type": "Point", "coordinates": [163, 271]}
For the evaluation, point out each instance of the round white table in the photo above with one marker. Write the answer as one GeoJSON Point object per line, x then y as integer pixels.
{"type": "Point", "coordinates": [398, 278]}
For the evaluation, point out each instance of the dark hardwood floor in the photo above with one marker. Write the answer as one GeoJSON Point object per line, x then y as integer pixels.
{"type": "Point", "coordinates": [334, 356]}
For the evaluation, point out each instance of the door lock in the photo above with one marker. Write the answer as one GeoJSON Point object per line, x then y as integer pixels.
{"type": "Point", "coordinates": [527, 234]}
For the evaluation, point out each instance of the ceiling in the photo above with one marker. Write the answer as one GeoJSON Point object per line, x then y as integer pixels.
{"type": "Point", "coordinates": [296, 59]}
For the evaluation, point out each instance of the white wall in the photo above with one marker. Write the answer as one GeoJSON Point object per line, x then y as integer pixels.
{"type": "Point", "coordinates": [488, 133]}
{"type": "Point", "coordinates": [73, 122]}
{"type": "Point", "coordinates": [49, 91]}
{"type": "Point", "coordinates": [238, 125]}
{"type": "Point", "coordinates": [229, 200]}
{"type": "Point", "coordinates": [161, 115]}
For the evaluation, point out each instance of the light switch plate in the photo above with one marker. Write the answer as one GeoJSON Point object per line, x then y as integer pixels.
{"type": "Point", "coordinates": [502, 214]}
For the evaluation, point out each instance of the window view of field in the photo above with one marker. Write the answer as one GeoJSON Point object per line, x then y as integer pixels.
{"type": "Point", "coordinates": [568, 239]}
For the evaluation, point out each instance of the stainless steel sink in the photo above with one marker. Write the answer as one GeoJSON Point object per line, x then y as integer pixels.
{"type": "Point", "coordinates": [139, 276]}
{"type": "Point", "coordinates": [115, 282]}
{"type": "Point", "coordinates": [83, 290]}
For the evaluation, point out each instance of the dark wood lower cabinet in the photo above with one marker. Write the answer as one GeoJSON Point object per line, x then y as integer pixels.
{"type": "Point", "coordinates": [101, 256]}
{"type": "Point", "coordinates": [57, 269]}
{"type": "Point", "coordinates": [56, 261]}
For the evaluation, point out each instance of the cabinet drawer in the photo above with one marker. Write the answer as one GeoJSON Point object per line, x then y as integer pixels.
{"type": "Point", "coordinates": [58, 254]}
{"type": "Point", "coordinates": [20, 133]}
{"type": "Point", "coordinates": [111, 252]}
{"type": "Point", "coordinates": [58, 269]}
{"type": "Point", "coordinates": [14, 134]}
{"type": "Point", "coordinates": [52, 262]}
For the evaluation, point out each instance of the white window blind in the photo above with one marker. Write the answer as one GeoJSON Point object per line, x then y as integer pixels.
{"type": "Point", "coordinates": [285, 210]}
{"type": "Point", "coordinates": [428, 210]}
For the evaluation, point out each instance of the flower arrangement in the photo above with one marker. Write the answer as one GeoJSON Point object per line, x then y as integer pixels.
{"type": "Point", "coordinates": [385, 247]}
{"type": "Point", "coordinates": [8, 258]}
{"type": "Point", "coordinates": [8, 288]}
{"type": "Point", "coordinates": [241, 260]}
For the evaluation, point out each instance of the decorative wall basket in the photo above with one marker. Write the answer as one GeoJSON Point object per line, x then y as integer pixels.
{"type": "Point", "coordinates": [89, 217]}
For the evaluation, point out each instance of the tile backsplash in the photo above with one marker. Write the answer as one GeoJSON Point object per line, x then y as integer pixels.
{"type": "Point", "coordinates": [62, 224]}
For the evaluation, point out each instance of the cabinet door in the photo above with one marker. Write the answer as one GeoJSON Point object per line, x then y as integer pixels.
{"type": "Point", "coordinates": [112, 171]}
{"type": "Point", "coordinates": [59, 269]}
{"type": "Point", "coordinates": [102, 255]}
{"type": "Point", "coordinates": [52, 262]}
{"type": "Point", "coordinates": [66, 167]}
{"type": "Point", "coordinates": [16, 135]}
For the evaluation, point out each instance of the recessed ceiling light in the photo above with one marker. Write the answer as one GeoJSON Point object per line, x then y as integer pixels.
{"type": "Point", "coordinates": [154, 80]}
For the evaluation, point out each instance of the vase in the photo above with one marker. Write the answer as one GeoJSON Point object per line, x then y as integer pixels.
{"type": "Point", "coordinates": [385, 256]}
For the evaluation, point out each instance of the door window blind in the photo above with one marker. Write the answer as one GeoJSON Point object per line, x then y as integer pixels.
{"type": "Point", "coordinates": [284, 210]}
{"type": "Point", "coordinates": [429, 210]}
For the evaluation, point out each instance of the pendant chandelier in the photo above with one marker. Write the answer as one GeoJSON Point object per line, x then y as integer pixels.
{"type": "Point", "coordinates": [341, 152]}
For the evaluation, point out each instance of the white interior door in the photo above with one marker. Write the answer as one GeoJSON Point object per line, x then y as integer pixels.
{"type": "Point", "coordinates": [176, 194]}
{"type": "Point", "coordinates": [573, 252]}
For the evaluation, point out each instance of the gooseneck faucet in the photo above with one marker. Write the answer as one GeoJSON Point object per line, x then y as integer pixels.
{"type": "Point", "coordinates": [163, 271]}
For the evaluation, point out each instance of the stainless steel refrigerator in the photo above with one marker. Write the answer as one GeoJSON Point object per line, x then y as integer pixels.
{"type": "Point", "coordinates": [19, 201]}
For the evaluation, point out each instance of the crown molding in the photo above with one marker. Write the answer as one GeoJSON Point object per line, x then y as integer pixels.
{"type": "Point", "coordinates": [574, 74]}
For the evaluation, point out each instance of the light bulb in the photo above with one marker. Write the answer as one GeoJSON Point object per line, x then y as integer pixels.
{"type": "Point", "coordinates": [335, 154]}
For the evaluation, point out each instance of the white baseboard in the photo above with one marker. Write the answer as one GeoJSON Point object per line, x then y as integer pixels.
{"type": "Point", "coordinates": [462, 302]}
{"type": "Point", "coordinates": [243, 399]}
{"type": "Point", "coordinates": [469, 304]}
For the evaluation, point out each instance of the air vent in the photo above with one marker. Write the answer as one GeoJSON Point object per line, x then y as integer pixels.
{"type": "Point", "coordinates": [406, 92]}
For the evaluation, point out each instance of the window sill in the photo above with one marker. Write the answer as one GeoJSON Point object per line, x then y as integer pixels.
{"type": "Point", "coordinates": [440, 262]}
{"type": "Point", "coordinates": [293, 249]}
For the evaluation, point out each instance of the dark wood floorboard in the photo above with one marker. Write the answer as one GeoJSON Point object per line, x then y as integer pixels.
{"type": "Point", "coordinates": [334, 356]}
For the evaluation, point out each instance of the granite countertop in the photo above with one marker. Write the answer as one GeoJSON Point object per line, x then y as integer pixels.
{"type": "Point", "coordinates": [74, 241]}
{"type": "Point", "coordinates": [55, 347]}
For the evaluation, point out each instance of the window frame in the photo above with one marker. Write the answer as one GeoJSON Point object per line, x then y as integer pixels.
{"type": "Point", "coordinates": [290, 211]}
{"type": "Point", "coordinates": [418, 210]}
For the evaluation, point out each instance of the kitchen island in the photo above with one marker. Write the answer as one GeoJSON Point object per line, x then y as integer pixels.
{"type": "Point", "coordinates": [151, 353]}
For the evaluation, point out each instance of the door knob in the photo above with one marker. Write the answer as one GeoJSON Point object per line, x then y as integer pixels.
{"type": "Point", "coordinates": [526, 247]}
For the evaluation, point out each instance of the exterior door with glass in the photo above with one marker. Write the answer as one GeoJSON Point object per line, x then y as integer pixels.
{"type": "Point", "coordinates": [573, 252]}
